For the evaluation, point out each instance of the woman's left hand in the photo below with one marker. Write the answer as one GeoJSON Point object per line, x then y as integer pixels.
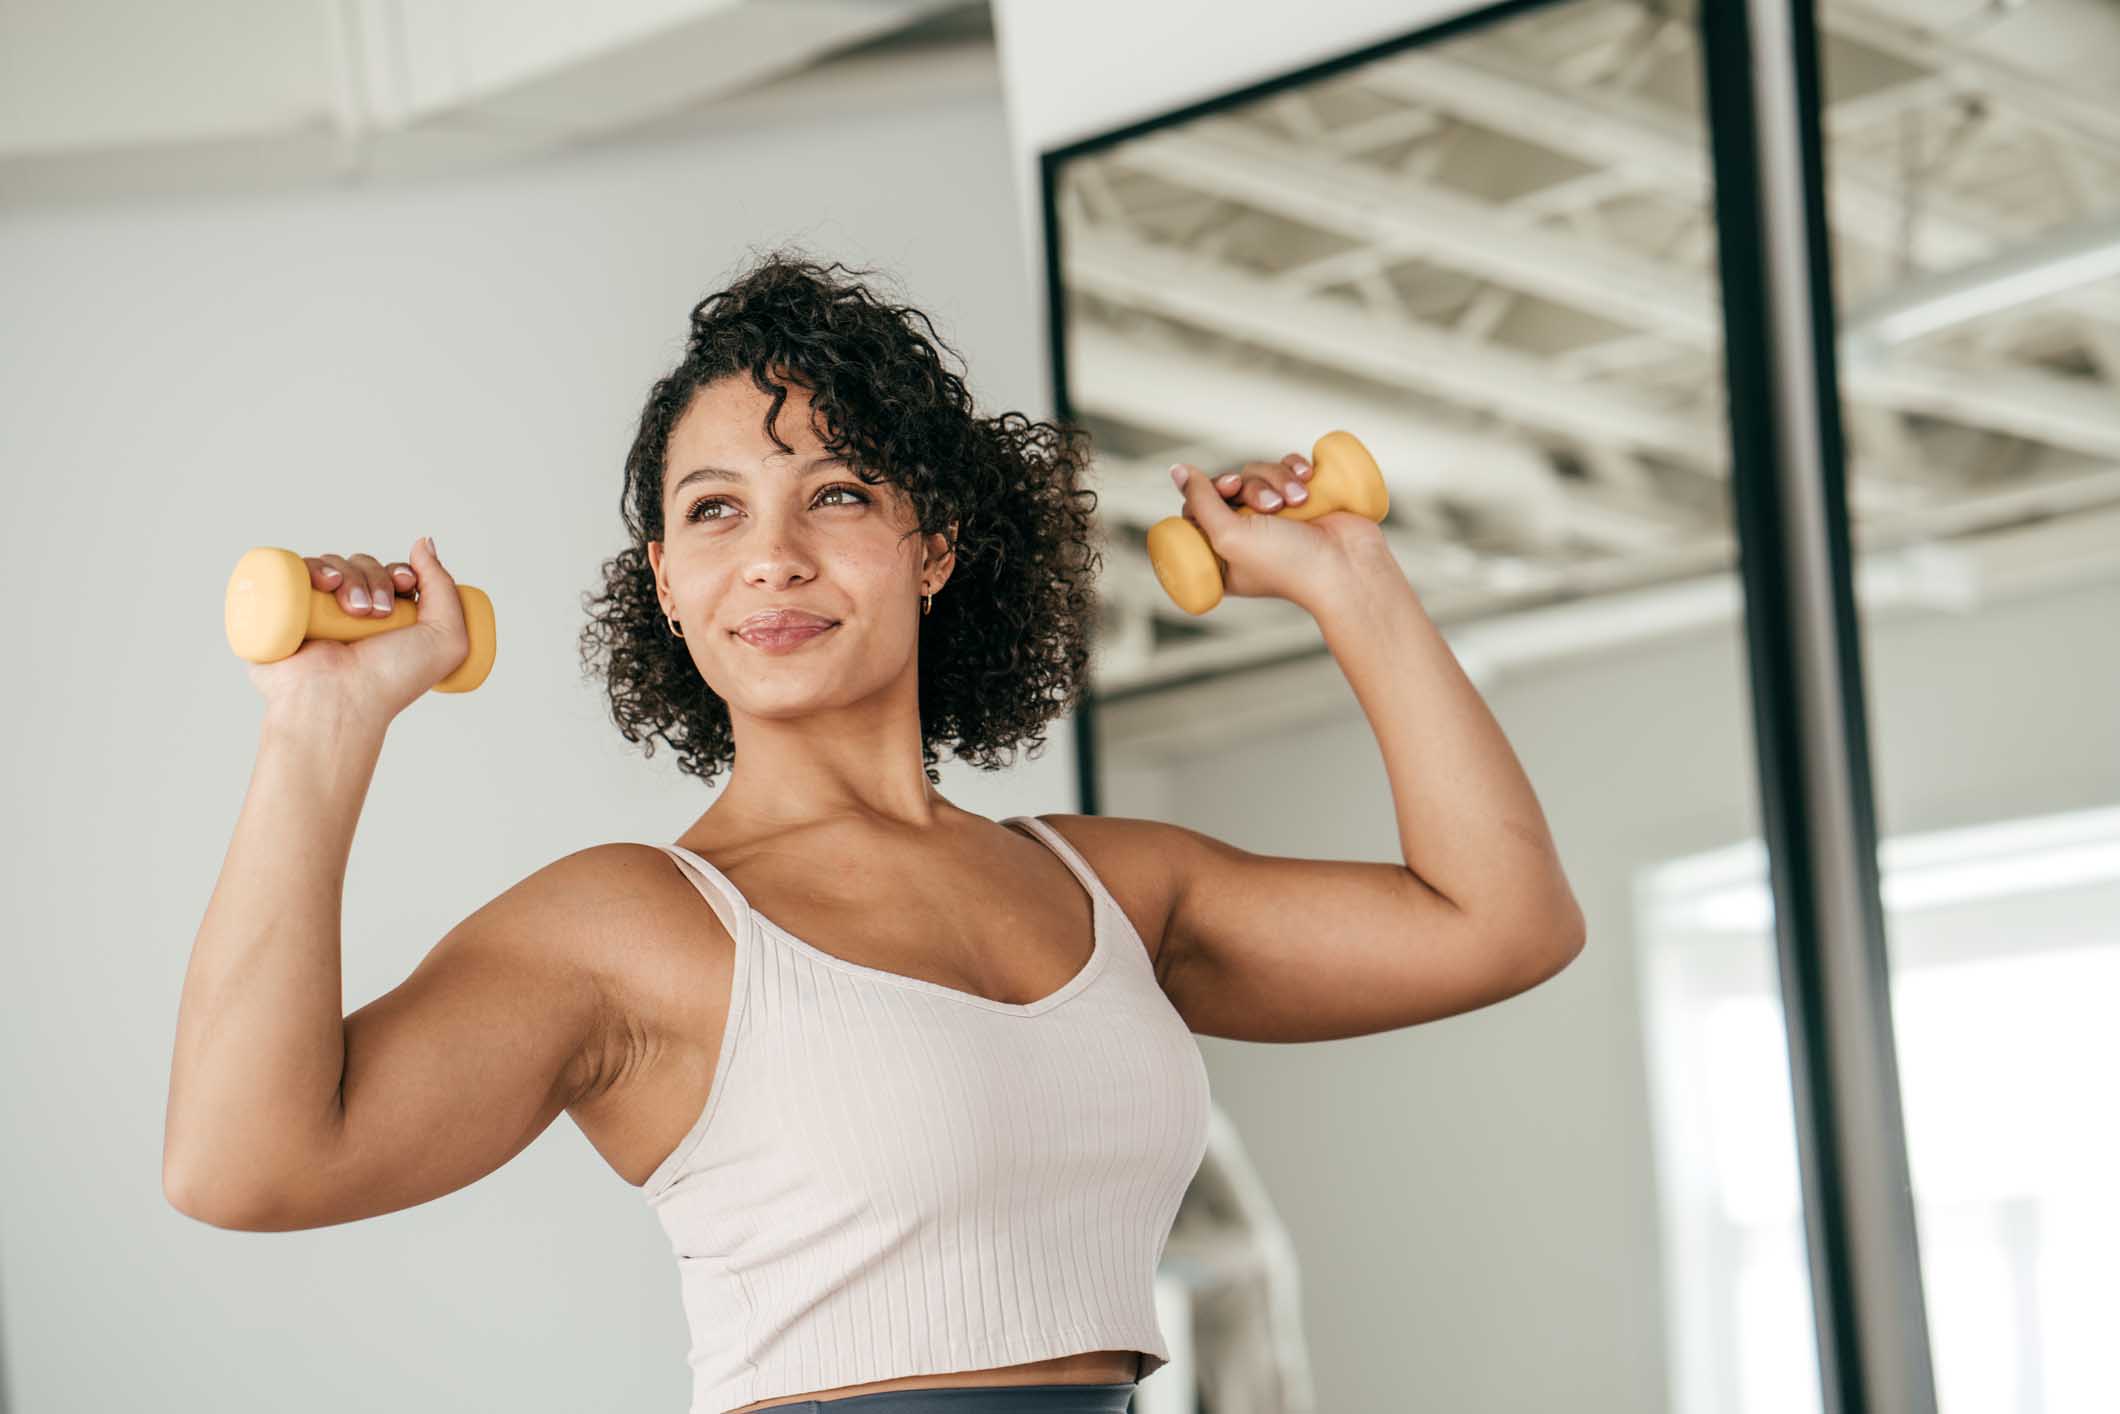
{"type": "Point", "coordinates": [1269, 554]}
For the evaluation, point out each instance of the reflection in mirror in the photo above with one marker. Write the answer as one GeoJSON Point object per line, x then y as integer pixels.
{"type": "Point", "coordinates": [1491, 255]}
{"type": "Point", "coordinates": [1973, 158]}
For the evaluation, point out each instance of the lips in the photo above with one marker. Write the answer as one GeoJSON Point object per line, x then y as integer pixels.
{"type": "Point", "coordinates": [778, 628]}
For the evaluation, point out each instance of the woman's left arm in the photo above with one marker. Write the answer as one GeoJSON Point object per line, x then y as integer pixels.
{"type": "Point", "coordinates": [1470, 826]}
{"type": "Point", "coordinates": [1267, 947]}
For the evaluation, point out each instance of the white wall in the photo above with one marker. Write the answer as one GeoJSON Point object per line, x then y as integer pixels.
{"type": "Point", "coordinates": [1475, 1207]}
{"type": "Point", "coordinates": [180, 380]}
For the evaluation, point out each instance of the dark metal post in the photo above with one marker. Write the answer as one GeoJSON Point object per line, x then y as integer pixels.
{"type": "Point", "coordinates": [1788, 488]}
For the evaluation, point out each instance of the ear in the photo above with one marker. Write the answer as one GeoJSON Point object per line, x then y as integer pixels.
{"type": "Point", "coordinates": [942, 554]}
{"type": "Point", "coordinates": [655, 559]}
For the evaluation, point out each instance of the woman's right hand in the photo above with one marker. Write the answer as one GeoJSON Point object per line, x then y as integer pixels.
{"type": "Point", "coordinates": [385, 672]}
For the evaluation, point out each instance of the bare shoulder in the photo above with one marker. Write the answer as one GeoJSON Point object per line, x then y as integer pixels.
{"type": "Point", "coordinates": [589, 902]}
{"type": "Point", "coordinates": [625, 914]}
{"type": "Point", "coordinates": [1142, 862]}
{"type": "Point", "coordinates": [609, 889]}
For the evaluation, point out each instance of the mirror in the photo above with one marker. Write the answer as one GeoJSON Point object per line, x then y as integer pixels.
{"type": "Point", "coordinates": [1491, 254]}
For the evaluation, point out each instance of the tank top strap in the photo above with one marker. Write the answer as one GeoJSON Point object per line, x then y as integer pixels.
{"type": "Point", "coordinates": [1069, 856]}
{"type": "Point", "coordinates": [717, 888]}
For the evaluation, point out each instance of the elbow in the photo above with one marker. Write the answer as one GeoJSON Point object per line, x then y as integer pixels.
{"type": "Point", "coordinates": [1568, 937]}
{"type": "Point", "coordinates": [202, 1202]}
{"type": "Point", "coordinates": [1561, 924]}
{"type": "Point", "coordinates": [1570, 941]}
{"type": "Point", "coordinates": [1565, 927]}
{"type": "Point", "coordinates": [184, 1193]}
{"type": "Point", "coordinates": [1537, 918]}
{"type": "Point", "coordinates": [1552, 943]}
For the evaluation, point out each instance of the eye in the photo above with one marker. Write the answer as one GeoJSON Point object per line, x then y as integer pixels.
{"type": "Point", "coordinates": [694, 516]}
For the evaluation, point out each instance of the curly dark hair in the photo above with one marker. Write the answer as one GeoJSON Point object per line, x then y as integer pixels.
{"type": "Point", "coordinates": [1004, 650]}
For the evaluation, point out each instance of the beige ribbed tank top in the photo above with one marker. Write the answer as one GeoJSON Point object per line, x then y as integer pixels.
{"type": "Point", "coordinates": [892, 1177]}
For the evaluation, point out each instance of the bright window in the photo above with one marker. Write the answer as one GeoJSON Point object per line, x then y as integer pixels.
{"type": "Point", "coordinates": [2005, 952]}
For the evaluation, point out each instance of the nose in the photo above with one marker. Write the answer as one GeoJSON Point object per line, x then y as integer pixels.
{"type": "Point", "coordinates": [778, 561]}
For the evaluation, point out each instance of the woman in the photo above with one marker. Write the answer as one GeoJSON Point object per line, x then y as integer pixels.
{"type": "Point", "coordinates": [917, 1144]}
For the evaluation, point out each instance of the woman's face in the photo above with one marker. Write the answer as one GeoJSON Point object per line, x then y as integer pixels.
{"type": "Point", "coordinates": [748, 528]}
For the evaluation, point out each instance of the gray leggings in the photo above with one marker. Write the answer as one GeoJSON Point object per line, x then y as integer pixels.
{"type": "Point", "coordinates": [976, 1399]}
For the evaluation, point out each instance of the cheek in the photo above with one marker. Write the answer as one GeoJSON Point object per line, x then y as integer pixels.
{"type": "Point", "coordinates": [881, 565]}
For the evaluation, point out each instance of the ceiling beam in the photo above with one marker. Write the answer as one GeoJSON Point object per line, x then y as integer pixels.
{"type": "Point", "coordinates": [1482, 377]}
{"type": "Point", "coordinates": [1675, 303]}
{"type": "Point", "coordinates": [1401, 218]}
{"type": "Point", "coordinates": [2037, 98]}
{"type": "Point", "coordinates": [1670, 153]}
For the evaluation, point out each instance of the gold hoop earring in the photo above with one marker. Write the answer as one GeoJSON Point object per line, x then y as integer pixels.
{"type": "Point", "coordinates": [671, 624]}
{"type": "Point", "coordinates": [927, 602]}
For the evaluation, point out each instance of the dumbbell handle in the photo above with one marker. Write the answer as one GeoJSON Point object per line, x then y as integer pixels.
{"type": "Point", "coordinates": [1345, 478]}
{"type": "Point", "coordinates": [272, 609]}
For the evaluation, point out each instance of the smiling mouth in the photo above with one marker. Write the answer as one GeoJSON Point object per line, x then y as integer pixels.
{"type": "Point", "coordinates": [784, 637]}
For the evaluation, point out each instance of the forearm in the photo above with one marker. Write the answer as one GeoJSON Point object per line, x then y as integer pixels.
{"type": "Point", "coordinates": [1470, 826]}
{"type": "Point", "coordinates": [254, 1082]}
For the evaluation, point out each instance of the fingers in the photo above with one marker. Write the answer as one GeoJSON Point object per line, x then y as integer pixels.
{"type": "Point", "coordinates": [382, 594]}
{"type": "Point", "coordinates": [1286, 478]}
{"type": "Point", "coordinates": [364, 586]}
{"type": "Point", "coordinates": [349, 586]}
{"type": "Point", "coordinates": [1267, 486]}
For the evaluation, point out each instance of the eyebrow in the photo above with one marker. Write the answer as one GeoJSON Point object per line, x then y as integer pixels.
{"type": "Point", "coordinates": [722, 473]}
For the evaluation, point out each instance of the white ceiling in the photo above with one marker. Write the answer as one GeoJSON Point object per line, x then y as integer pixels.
{"type": "Point", "coordinates": [122, 97]}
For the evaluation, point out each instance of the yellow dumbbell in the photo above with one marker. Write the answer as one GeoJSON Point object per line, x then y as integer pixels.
{"type": "Point", "coordinates": [272, 609]}
{"type": "Point", "coordinates": [1345, 479]}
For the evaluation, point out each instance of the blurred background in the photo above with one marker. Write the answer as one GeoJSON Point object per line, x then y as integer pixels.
{"type": "Point", "coordinates": [338, 275]}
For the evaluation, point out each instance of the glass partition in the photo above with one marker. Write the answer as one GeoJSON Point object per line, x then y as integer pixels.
{"type": "Point", "coordinates": [1489, 252]}
{"type": "Point", "coordinates": [1972, 154]}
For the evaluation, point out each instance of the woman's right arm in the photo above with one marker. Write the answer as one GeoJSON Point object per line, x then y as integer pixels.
{"type": "Point", "coordinates": [254, 1081]}
{"type": "Point", "coordinates": [285, 1114]}
{"type": "Point", "coordinates": [282, 1111]}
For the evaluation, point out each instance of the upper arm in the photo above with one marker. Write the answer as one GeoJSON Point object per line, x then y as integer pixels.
{"type": "Point", "coordinates": [1261, 947]}
{"type": "Point", "coordinates": [455, 1070]}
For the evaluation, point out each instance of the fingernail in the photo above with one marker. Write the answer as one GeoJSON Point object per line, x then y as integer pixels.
{"type": "Point", "coordinates": [1177, 475]}
{"type": "Point", "coordinates": [357, 596]}
{"type": "Point", "coordinates": [1269, 499]}
{"type": "Point", "coordinates": [329, 572]}
{"type": "Point", "coordinates": [1296, 493]}
{"type": "Point", "coordinates": [430, 546]}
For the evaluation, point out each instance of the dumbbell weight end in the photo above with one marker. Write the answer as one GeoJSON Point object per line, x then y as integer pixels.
{"type": "Point", "coordinates": [1345, 478]}
{"type": "Point", "coordinates": [272, 609]}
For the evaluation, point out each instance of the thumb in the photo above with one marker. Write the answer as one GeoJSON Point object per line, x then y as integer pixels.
{"type": "Point", "coordinates": [438, 602]}
{"type": "Point", "coordinates": [1204, 505]}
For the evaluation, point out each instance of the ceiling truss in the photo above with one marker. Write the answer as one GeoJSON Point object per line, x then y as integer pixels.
{"type": "Point", "coordinates": [1494, 260]}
